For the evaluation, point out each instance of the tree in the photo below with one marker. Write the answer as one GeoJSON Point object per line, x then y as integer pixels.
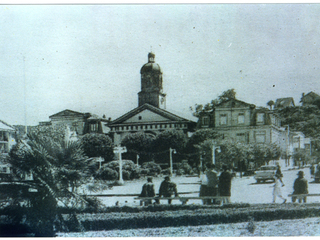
{"type": "Point", "coordinates": [58, 166]}
{"type": "Point", "coordinates": [98, 145]}
{"type": "Point", "coordinates": [175, 139]}
{"type": "Point", "coordinates": [194, 147]}
{"type": "Point", "coordinates": [270, 104]}
{"type": "Point", "coordinates": [301, 157]}
{"type": "Point", "coordinates": [138, 144]}
{"type": "Point", "coordinates": [225, 96]}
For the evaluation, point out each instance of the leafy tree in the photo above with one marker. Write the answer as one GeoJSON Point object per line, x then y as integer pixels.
{"type": "Point", "coordinates": [58, 166]}
{"type": "Point", "coordinates": [138, 143]}
{"type": "Point", "coordinates": [175, 139]}
{"type": "Point", "coordinates": [301, 157]}
{"type": "Point", "coordinates": [225, 96]}
{"type": "Point", "coordinates": [270, 104]}
{"type": "Point", "coordinates": [98, 145]}
{"type": "Point", "coordinates": [305, 119]}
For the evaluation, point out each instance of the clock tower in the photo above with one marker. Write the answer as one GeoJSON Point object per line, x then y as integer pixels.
{"type": "Point", "coordinates": [151, 84]}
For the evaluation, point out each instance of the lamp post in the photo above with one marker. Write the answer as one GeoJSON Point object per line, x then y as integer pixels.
{"type": "Point", "coordinates": [138, 160]}
{"type": "Point", "coordinates": [171, 167]}
{"type": "Point", "coordinates": [120, 150]}
{"type": "Point", "coordinates": [214, 147]}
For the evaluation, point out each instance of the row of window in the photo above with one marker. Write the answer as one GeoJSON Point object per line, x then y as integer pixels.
{"type": "Point", "coordinates": [259, 137]}
{"type": "Point", "coordinates": [224, 119]}
{"type": "Point", "coordinates": [145, 127]}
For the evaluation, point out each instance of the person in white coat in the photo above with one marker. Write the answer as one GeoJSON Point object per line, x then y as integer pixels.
{"type": "Point", "coordinates": [277, 189]}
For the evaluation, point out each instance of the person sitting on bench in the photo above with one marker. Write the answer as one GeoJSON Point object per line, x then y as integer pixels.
{"type": "Point", "coordinates": [147, 191]}
{"type": "Point", "coordinates": [167, 189]}
{"type": "Point", "coordinates": [300, 186]}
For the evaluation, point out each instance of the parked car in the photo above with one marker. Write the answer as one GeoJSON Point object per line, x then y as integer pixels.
{"type": "Point", "coordinates": [265, 173]}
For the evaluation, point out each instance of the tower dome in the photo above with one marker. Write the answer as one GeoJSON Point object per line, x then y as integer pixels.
{"type": "Point", "coordinates": [151, 66]}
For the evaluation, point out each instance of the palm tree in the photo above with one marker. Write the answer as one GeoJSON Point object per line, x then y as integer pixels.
{"type": "Point", "coordinates": [58, 166]}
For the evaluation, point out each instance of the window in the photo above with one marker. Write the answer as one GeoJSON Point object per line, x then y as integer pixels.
{"type": "Point", "coordinates": [205, 121]}
{"type": "Point", "coordinates": [241, 118]}
{"type": "Point", "coordinates": [93, 127]}
{"type": "Point", "coordinates": [223, 119]}
{"type": "Point", "coordinates": [241, 137]}
{"type": "Point", "coordinates": [260, 137]}
{"type": "Point", "coordinates": [260, 117]}
{"type": "Point", "coordinates": [140, 117]}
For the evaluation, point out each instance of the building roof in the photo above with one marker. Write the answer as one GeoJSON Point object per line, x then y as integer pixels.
{"type": "Point", "coordinates": [6, 126]}
{"type": "Point", "coordinates": [310, 95]}
{"type": "Point", "coordinates": [163, 113]}
{"type": "Point", "coordinates": [234, 103]}
{"type": "Point", "coordinates": [284, 102]}
{"type": "Point", "coordinates": [68, 112]}
{"type": "Point", "coordinates": [151, 66]}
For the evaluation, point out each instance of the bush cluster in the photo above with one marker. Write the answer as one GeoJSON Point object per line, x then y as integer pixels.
{"type": "Point", "coordinates": [188, 216]}
{"type": "Point", "coordinates": [110, 171]}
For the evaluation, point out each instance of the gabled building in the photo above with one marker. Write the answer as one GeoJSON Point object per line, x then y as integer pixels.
{"type": "Point", "coordinates": [244, 122]}
{"type": "Point", "coordinates": [284, 102]}
{"type": "Point", "coordinates": [79, 123]}
{"type": "Point", "coordinates": [150, 116]}
{"type": "Point", "coordinates": [310, 99]}
{"type": "Point", "coordinates": [148, 119]}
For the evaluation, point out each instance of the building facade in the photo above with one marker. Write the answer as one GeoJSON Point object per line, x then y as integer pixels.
{"type": "Point", "coordinates": [243, 122]}
{"type": "Point", "coordinates": [78, 123]}
{"type": "Point", "coordinates": [150, 116]}
{"type": "Point", "coordinates": [7, 137]}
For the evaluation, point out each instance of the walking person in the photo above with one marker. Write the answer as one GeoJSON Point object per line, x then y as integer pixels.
{"type": "Point", "coordinates": [279, 174]}
{"type": "Point", "coordinates": [224, 185]}
{"type": "Point", "coordinates": [203, 188]}
{"type": "Point", "coordinates": [147, 191]}
{"type": "Point", "coordinates": [300, 186]}
{"type": "Point", "coordinates": [212, 183]}
{"type": "Point", "coordinates": [277, 190]}
{"type": "Point", "coordinates": [168, 188]}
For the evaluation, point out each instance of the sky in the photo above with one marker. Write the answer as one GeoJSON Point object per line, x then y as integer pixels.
{"type": "Point", "coordinates": [87, 58]}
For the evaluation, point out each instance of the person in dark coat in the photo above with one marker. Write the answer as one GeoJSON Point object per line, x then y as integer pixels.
{"type": "Point", "coordinates": [225, 184]}
{"type": "Point", "coordinates": [147, 191]}
{"type": "Point", "coordinates": [300, 186]}
{"type": "Point", "coordinates": [212, 183]}
{"type": "Point", "coordinates": [168, 188]}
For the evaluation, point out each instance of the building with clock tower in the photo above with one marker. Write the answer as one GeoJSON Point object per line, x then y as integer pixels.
{"type": "Point", "coordinates": [151, 84]}
{"type": "Point", "coordinates": [151, 115]}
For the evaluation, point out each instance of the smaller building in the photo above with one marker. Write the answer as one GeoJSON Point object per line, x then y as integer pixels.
{"type": "Point", "coordinates": [284, 102]}
{"type": "Point", "coordinates": [7, 137]}
{"type": "Point", "coordinates": [310, 99]}
{"type": "Point", "coordinates": [79, 123]}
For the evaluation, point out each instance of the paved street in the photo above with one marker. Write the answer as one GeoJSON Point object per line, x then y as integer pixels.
{"type": "Point", "coordinates": [244, 190]}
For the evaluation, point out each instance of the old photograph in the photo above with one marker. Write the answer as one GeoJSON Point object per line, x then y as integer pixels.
{"type": "Point", "coordinates": [160, 120]}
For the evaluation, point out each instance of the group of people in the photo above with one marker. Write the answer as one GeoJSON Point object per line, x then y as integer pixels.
{"type": "Point", "coordinates": [213, 185]}
{"type": "Point", "coordinates": [167, 189]}
{"type": "Point", "coordinates": [300, 186]}
{"type": "Point", "coordinates": [216, 186]}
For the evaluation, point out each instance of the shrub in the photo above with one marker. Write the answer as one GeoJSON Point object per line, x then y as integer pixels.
{"type": "Point", "coordinates": [144, 171]}
{"type": "Point", "coordinates": [129, 169]}
{"type": "Point", "coordinates": [184, 168]}
{"type": "Point", "coordinates": [165, 171]}
{"type": "Point", "coordinates": [106, 173]}
{"type": "Point", "coordinates": [126, 175]}
{"type": "Point", "coordinates": [153, 168]}
{"type": "Point", "coordinates": [180, 171]}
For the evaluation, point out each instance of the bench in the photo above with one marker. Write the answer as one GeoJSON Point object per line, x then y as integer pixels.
{"type": "Point", "coordinates": [183, 200]}
{"type": "Point", "coordinates": [301, 196]}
